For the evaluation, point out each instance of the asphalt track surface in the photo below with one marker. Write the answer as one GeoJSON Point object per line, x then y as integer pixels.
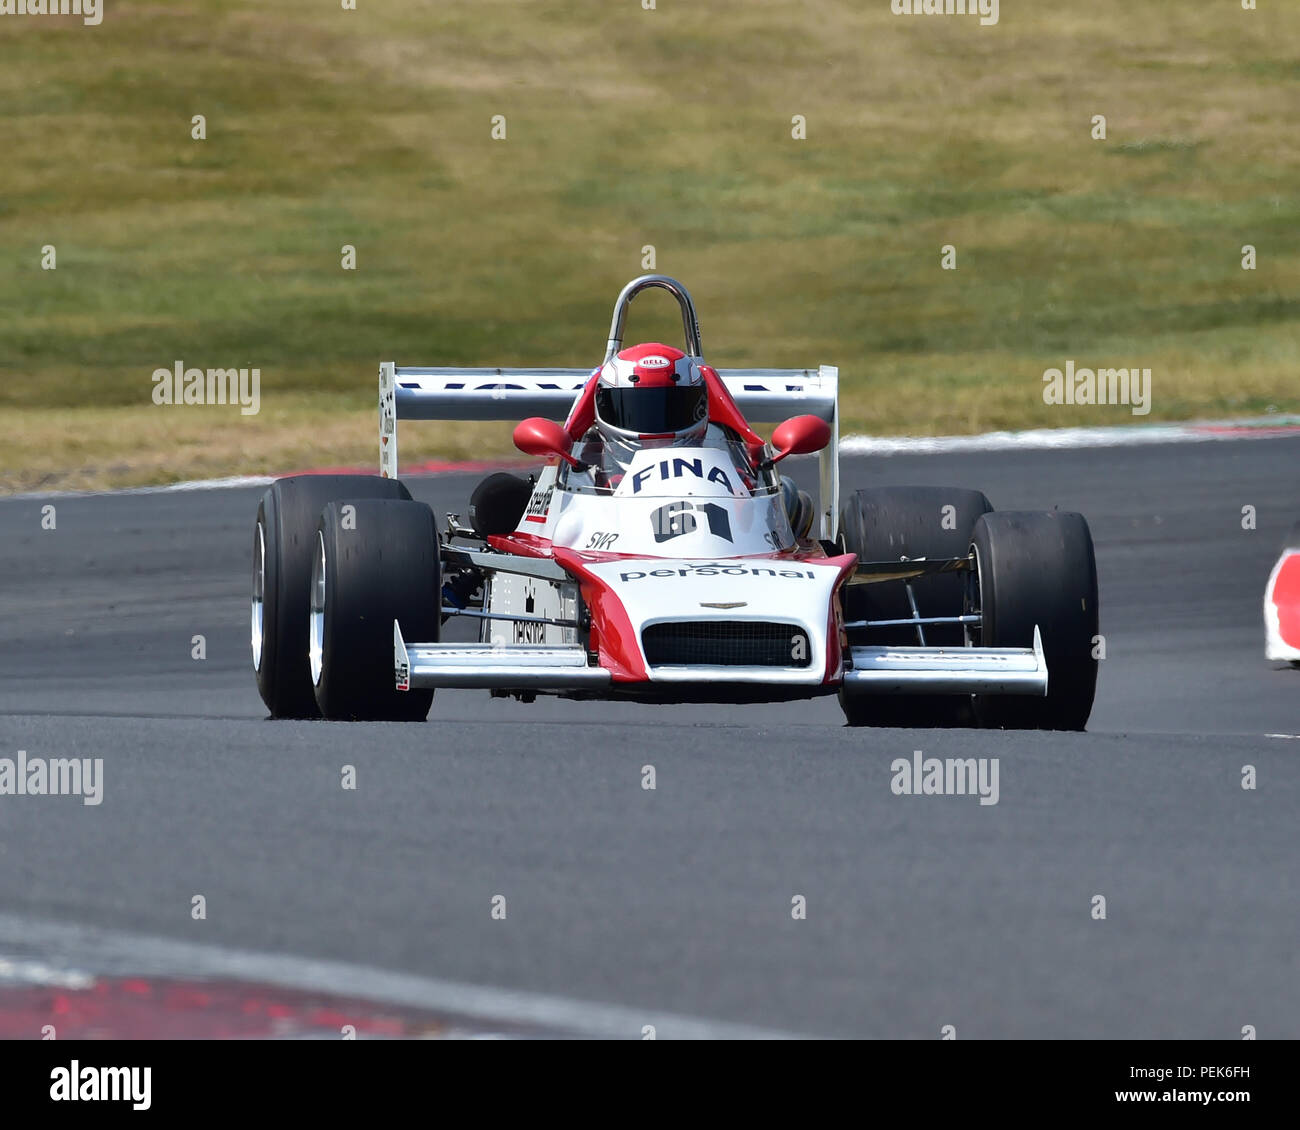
{"type": "Point", "coordinates": [921, 911]}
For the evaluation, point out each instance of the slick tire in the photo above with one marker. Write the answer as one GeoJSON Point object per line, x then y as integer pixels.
{"type": "Point", "coordinates": [283, 538]}
{"type": "Point", "coordinates": [375, 561]}
{"type": "Point", "coordinates": [1039, 568]}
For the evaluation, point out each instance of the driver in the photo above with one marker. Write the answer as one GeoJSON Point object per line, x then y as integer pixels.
{"type": "Point", "coordinates": [651, 396]}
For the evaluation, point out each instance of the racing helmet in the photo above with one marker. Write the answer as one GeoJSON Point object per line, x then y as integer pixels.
{"type": "Point", "coordinates": [651, 393]}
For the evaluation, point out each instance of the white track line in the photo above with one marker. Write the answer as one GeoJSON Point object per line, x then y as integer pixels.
{"type": "Point", "coordinates": [67, 952]}
{"type": "Point", "coordinates": [1057, 439]}
{"type": "Point", "coordinates": [26, 972]}
{"type": "Point", "coordinates": [229, 483]}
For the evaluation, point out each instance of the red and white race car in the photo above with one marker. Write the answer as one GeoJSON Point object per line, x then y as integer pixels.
{"type": "Point", "coordinates": [1282, 603]}
{"type": "Point", "coordinates": [661, 554]}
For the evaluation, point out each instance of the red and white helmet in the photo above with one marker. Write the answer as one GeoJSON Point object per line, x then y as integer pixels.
{"type": "Point", "coordinates": [652, 392]}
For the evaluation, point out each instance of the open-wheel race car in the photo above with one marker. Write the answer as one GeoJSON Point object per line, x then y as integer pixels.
{"type": "Point", "coordinates": [661, 554]}
{"type": "Point", "coordinates": [1282, 603]}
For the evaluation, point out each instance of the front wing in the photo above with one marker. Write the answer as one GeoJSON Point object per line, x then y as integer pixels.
{"type": "Point", "coordinates": [870, 670]}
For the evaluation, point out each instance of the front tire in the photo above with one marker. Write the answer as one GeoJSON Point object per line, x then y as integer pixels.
{"type": "Point", "coordinates": [283, 539]}
{"type": "Point", "coordinates": [1039, 568]}
{"type": "Point", "coordinates": [375, 561]}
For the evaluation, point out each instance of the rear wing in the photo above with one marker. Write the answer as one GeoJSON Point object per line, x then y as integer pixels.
{"type": "Point", "coordinates": [763, 395]}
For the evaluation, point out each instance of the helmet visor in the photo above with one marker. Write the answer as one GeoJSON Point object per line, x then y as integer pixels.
{"type": "Point", "coordinates": [651, 411]}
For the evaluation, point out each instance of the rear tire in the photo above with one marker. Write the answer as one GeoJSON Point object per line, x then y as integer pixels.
{"type": "Point", "coordinates": [498, 503]}
{"type": "Point", "coordinates": [1039, 568]}
{"type": "Point", "coordinates": [381, 564]}
{"type": "Point", "coordinates": [283, 538]}
{"type": "Point", "coordinates": [884, 524]}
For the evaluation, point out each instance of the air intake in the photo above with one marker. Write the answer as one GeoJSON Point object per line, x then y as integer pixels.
{"type": "Point", "coordinates": [725, 643]}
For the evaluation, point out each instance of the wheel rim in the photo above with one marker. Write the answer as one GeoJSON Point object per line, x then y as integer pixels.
{"type": "Point", "coordinates": [258, 617]}
{"type": "Point", "coordinates": [317, 643]}
{"type": "Point", "coordinates": [973, 602]}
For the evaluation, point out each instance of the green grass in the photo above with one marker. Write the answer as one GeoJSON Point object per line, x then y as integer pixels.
{"type": "Point", "coordinates": [672, 127]}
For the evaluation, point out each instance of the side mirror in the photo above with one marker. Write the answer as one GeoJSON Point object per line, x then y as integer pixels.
{"type": "Point", "coordinates": [800, 435]}
{"type": "Point", "coordinates": [539, 436]}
